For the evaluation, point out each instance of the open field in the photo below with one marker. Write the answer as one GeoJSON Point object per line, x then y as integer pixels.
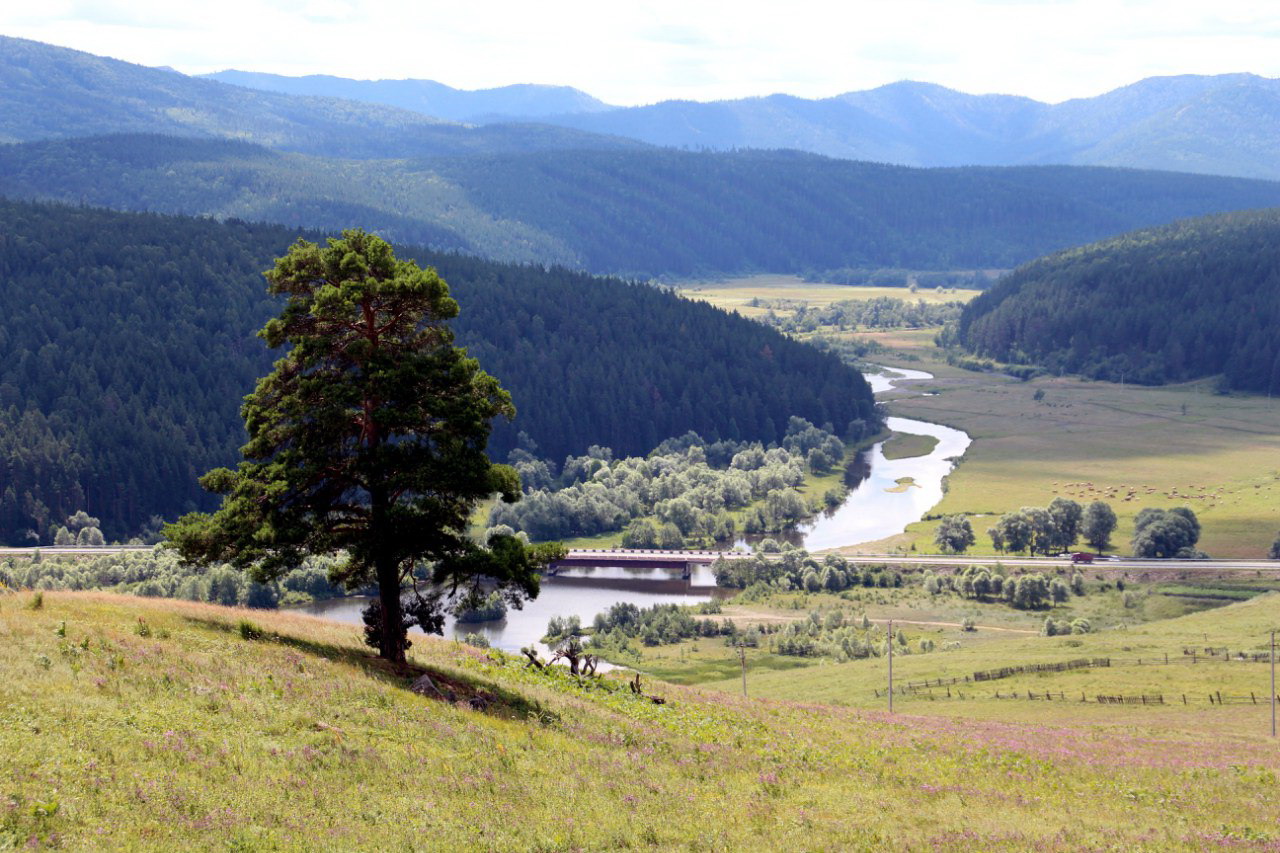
{"type": "Point", "coordinates": [1138, 656]}
{"type": "Point", "coordinates": [737, 294]}
{"type": "Point", "coordinates": [147, 724]}
{"type": "Point", "coordinates": [939, 618]}
{"type": "Point", "coordinates": [1132, 446]}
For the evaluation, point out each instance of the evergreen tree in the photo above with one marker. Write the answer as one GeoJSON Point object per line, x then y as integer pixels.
{"type": "Point", "coordinates": [367, 439]}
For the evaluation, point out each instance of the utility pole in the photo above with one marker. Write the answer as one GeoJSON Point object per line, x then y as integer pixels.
{"type": "Point", "coordinates": [890, 666]}
{"type": "Point", "coordinates": [742, 659]}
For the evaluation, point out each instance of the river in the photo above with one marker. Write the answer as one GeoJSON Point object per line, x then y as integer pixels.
{"type": "Point", "coordinates": [876, 507]}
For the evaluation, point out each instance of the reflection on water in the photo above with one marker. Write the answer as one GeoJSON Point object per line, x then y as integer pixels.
{"type": "Point", "coordinates": [874, 508]}
{"type": "Point", "coordinates": [872, 511]}
{"type": "Point", "coordinates": [577, 591]}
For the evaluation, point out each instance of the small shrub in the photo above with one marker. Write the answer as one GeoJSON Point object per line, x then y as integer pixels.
{"type": "Point", "coordinates": [967, 624]}
{"type": "Point", "coordinates": [37, 601]}
{"type": "Point", "coordinates": [476, 639]}
{"type": "Point", "coordinates": [142, 629]}
{"type": "Point", "coordinates": [249, 631]}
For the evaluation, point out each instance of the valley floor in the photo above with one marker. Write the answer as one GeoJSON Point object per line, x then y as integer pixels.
{"type": "Point", "coordinates": [1132, 446]}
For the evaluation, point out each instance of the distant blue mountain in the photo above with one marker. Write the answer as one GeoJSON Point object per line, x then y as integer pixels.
{"type": "Point", "coordinates": [522, 100]}
{"type": "Point", "coordinates": [1227, 124]}
{"type": "Point", "coordinates": [49, 92]}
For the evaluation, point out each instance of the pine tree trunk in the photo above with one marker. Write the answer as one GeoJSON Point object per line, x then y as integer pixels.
{"type": "Point", "coordinates": [392, 645]}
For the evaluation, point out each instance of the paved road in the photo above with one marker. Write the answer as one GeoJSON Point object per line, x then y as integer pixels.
{"type": "Point", "coordinates": [622, 557]}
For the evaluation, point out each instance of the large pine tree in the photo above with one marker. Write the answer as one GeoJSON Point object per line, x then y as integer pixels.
{"type": "Point", "coordinates": [367, 439]}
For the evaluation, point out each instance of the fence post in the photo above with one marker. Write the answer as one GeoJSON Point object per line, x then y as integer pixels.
{"type": "Point", "coordinates": [1219, 692]}
{"type": "Point", "coordinates": [890, 639]}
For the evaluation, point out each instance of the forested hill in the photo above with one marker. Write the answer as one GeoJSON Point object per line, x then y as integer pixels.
{"type": "Point", "coordinates": [647, 213]}
{"type": "Point", "coordinates": [1192, 299]}
{"type": "Point", "coordinates": [128, 343]}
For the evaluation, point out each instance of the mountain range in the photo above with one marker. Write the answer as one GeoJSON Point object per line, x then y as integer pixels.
{"type": "Point", "coordinates": [1226, 124]}
{"type": "Point", "coordinates": [521, 101]}
{"type": "Point", "coordinates": [49, 92]}
{"type": "Point", "coordinates": [88, 129]}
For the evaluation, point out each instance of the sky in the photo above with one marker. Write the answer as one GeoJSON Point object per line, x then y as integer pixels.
{"type": "Point", "coordinates": [631, 53]}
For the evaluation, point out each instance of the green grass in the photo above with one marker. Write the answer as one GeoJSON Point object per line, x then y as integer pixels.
{"type": "Point", "coordinates": [197, 738]}
{"type": "Point", "coordinates": [1138, 652]}
{"type": "Point", "coordinates": [905, 445]}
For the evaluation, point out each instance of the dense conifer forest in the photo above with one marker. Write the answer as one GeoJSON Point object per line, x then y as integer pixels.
{"type": "Point", "coordinates": [644, 212]}
{"type": "Point", "coordinates": [1196, 298]}
{"type": "Point", "coordinates": [128, 343]}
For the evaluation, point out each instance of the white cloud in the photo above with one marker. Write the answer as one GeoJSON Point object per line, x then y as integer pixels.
{"type": "Point", "coordinates": [636, 53]}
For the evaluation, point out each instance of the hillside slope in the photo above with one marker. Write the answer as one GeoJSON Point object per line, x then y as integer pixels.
{"type": "Point", "coordinates": [129, 342]}
{"type": "Point", "coordinates": [648, 213]}
{"type": "Point", "coordinates": [147, 724]}
{"type": "Point", "coordinates": [1196, 298]}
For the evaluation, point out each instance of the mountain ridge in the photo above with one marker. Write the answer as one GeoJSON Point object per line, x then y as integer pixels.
{"type": "Point", "coordinates": [1145, 124]}
{"type": "Point", "coordinates": [54, 92]}
{"type": "Point", "coordinates": [430, 97]}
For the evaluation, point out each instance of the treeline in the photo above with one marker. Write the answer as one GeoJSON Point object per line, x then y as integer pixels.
{"type": "Point", "coordinates": [129, 341]}
{"type": "Point", "coordinates": [1193, 299]}
{"type": "Point", "coordinates": [966, 279]}
{"type": "Point", "coordinates": [161, 574]}
{"type": "Point", "coordinates": [782, 568]}
{"type": "Point", "coordinates": [881, 312]}
{"type": "Point", "coordinates": [682, 493]}
{"type": "Point", "coordinates": [1028, 591]}
{"type": "Point", "coordinates": [642, 211]}
{"type": "Point", "coordinates": [823, 633]}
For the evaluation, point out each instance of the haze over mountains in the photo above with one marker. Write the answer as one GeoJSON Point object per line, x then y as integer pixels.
{"type": "Point", "coordinates": [49, 92]}
{"type": "Point", "coordinates": [518, 101]}
{"type": "Point", "coordinates": [1227, 124]}
{"type": "Point", "coordinates": [101, 131]}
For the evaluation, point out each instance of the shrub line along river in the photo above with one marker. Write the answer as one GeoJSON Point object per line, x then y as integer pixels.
{"type": "Point", "coordinates": [875, 508]}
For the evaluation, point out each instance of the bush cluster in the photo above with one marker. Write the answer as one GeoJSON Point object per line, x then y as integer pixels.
{"type": "Point", "coordinates": [794, 569]}
{"type": "Point", "coordinates": [682, 493]}
{"type": "Point", "coordinates": [159, 573]}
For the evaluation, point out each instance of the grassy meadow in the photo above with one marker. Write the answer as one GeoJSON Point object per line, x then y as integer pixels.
{"type": "Point", "coordinates": [939, 618]}
{"type": "Point", "coordinates": [737, 294]}
{"type": "Point", "coordinates": [1138, 652]}
{"type": "Point", "coordinates": [148, 724]}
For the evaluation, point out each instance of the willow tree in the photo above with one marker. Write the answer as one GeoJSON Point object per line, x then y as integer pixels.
{"type": "Point", "coordinates": [367, 440]}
